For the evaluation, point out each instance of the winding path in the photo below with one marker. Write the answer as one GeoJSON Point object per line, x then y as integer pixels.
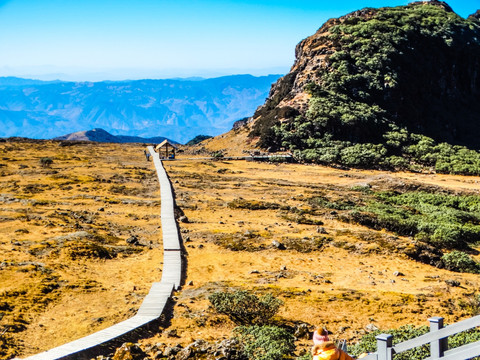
{"type": "Point", "coordinates": [154, 303]}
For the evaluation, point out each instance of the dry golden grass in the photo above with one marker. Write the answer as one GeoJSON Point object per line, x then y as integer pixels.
{"type": "Point", "coordinates": [54, 288]}
{"type": "Point", "coordinates": [345, 285]}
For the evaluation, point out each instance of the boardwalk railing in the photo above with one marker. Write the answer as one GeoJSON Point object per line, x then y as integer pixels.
{"type": "Point", "coordinates": [437, 338]}
{"type": "Point", "coordinates": [154, 303]}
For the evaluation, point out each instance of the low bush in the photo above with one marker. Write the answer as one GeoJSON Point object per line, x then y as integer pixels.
{"type": "Point", "coordinates": [460, 262]}
{"type": "Point", "coordinates": [244, 308]}
{"type": "Point", "coordinates": [266, 342]}
{"type": "Point", "coordinates": [88, 250]}
{"type": "Point", "coordinates": [46, 162]}
{"type": "Point", "coordinates": [252, 205]}
{"type": "Point", "coordinates": [442, 220]}
{"type": "Point", "coordinates": [306, 245]}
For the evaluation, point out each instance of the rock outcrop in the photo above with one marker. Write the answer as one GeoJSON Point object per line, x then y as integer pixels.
{"type": "Point", "coordinates": [419, 71]}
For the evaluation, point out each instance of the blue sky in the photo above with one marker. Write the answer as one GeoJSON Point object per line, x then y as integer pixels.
{"type": "Point", "coordinates": [120, 39]}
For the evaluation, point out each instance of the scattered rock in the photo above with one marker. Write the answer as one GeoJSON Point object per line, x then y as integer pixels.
{"type": "Point", "coordinates": [101, 209]}
{"type": "Point", "coordinates": [254, 272]}
{"type": "Point", "coordinates": [302, 331]}
{"type": "Point", "coordinates": [371, 327]}
{"type": "Point", "coordinates": [398, 273]}
{"type": "Point", "coordinates": [452, 283]}
{"type": "Point", "coordinates": [196, 348]}
{"type": "Point", "coordinates": [278, 245]}
{"type": "Point", "coordinates": [172, 351]}
{"type": "Point", "coordinates": [158, 355]}
{"type": "Point", "coordinates": [284, 267]}
{"type": "Point", "coordinates": [132, 240]}
{"type": "Point", "coordinates": [183, 219]}
{"type": "Point", "coordinates": [190, 283]}
{"type": "Point", "coordinates": [171, 333]}
{"type": "Point", "coordinates": [129, 351]}
{"type": "Point", "coordinates": [321, 230]}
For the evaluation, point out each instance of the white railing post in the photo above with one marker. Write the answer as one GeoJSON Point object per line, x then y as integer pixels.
{"type": "Point", "coordinates": [384, 346]}
{"type": "Point", "coordinates": [439, 346]}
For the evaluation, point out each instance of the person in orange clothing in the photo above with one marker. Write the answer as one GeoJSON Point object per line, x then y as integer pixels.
{"type": "Point", "coordinates": [327, 350]}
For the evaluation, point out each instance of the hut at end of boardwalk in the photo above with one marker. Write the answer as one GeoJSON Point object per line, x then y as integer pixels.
{"type": "Point", "coordinates": [166, 150]}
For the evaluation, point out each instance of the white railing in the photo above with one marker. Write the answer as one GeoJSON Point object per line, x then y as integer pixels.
{"type": "Point", "coordinates": [437, 338]}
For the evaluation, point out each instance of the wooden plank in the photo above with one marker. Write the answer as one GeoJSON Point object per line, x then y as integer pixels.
{"type": "Point", "coordinates": [172, 268]}
{"type": "Point", "coordinates": [156, 299]}
{"type": "Point", "coordinates": [171, 239]}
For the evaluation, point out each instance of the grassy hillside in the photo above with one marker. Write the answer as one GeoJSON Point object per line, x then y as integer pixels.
{"type": "Point", "coordinates": [327, 242]}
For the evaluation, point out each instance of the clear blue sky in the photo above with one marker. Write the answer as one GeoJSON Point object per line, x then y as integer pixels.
{"type": "Point", "coordinates": [125, 39]}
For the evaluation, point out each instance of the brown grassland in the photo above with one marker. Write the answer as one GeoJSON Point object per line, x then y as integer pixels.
{"type": "Point", "coordinates": [67, 269]}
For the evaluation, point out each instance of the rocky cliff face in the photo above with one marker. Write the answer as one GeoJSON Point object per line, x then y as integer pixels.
{"type": "Point", "coordinates": [416, 66]}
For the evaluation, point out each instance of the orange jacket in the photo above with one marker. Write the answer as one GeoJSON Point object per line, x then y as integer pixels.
{"type": "Point", "coordinates": [328, 351]}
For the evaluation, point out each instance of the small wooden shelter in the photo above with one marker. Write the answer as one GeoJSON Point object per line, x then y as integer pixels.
{"type": "Point", "coordinates": [166, 150]}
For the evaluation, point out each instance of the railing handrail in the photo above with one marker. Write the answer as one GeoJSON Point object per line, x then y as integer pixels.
{"type": "Point", "coordinates": [437, 338]}
{"type": "Point", "coordinates": [438, 334]}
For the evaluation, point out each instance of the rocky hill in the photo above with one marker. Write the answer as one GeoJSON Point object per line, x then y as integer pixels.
{"type": "Point", "coordinates": [374, 86]}
{"type": "Point", "coordinates": [178, 109]}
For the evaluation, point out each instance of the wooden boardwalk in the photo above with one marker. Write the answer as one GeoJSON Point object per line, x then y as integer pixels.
{"type": "Point", "coordinates": [154, 303]}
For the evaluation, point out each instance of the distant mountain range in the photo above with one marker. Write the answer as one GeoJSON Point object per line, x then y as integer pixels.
{"type": "Point", "coordinates": [101, 135]}
{"type": "Point", "coordinates": [177, 109]}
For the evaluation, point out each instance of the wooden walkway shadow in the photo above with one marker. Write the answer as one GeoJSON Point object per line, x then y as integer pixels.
{"type": "Point", "coordinates": [154, 304]}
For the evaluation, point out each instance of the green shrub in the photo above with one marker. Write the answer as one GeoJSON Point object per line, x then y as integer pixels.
{"type": "Point", "coordinates": [446, 221]}
{"type": "Point", "coordinates": [46, 162]}
{"type": "Point", "coordinates": [363, 155]}
{"type": "Point", "coordinates": [88, 250]}
{"type": "Point", "coordinates": [252, 204]}
{"type": "Point", "coordinates": [245, 308]}
{"type": "Point", "coordinates": [460, 262]}
{"type": "Point", "coordinates": [368, 343]}
{"type": "Point", "coordinates": [266, 342]}
{"type": "Point", "coordinates": [217, 155]}
{"type": "Point", "coordinates": [306, 356]}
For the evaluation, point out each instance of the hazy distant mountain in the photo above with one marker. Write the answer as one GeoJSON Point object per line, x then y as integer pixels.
{"type": "Point", "coordinates": [101, 135]}
{"type": "Point", "coordinates": [178, 109]}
